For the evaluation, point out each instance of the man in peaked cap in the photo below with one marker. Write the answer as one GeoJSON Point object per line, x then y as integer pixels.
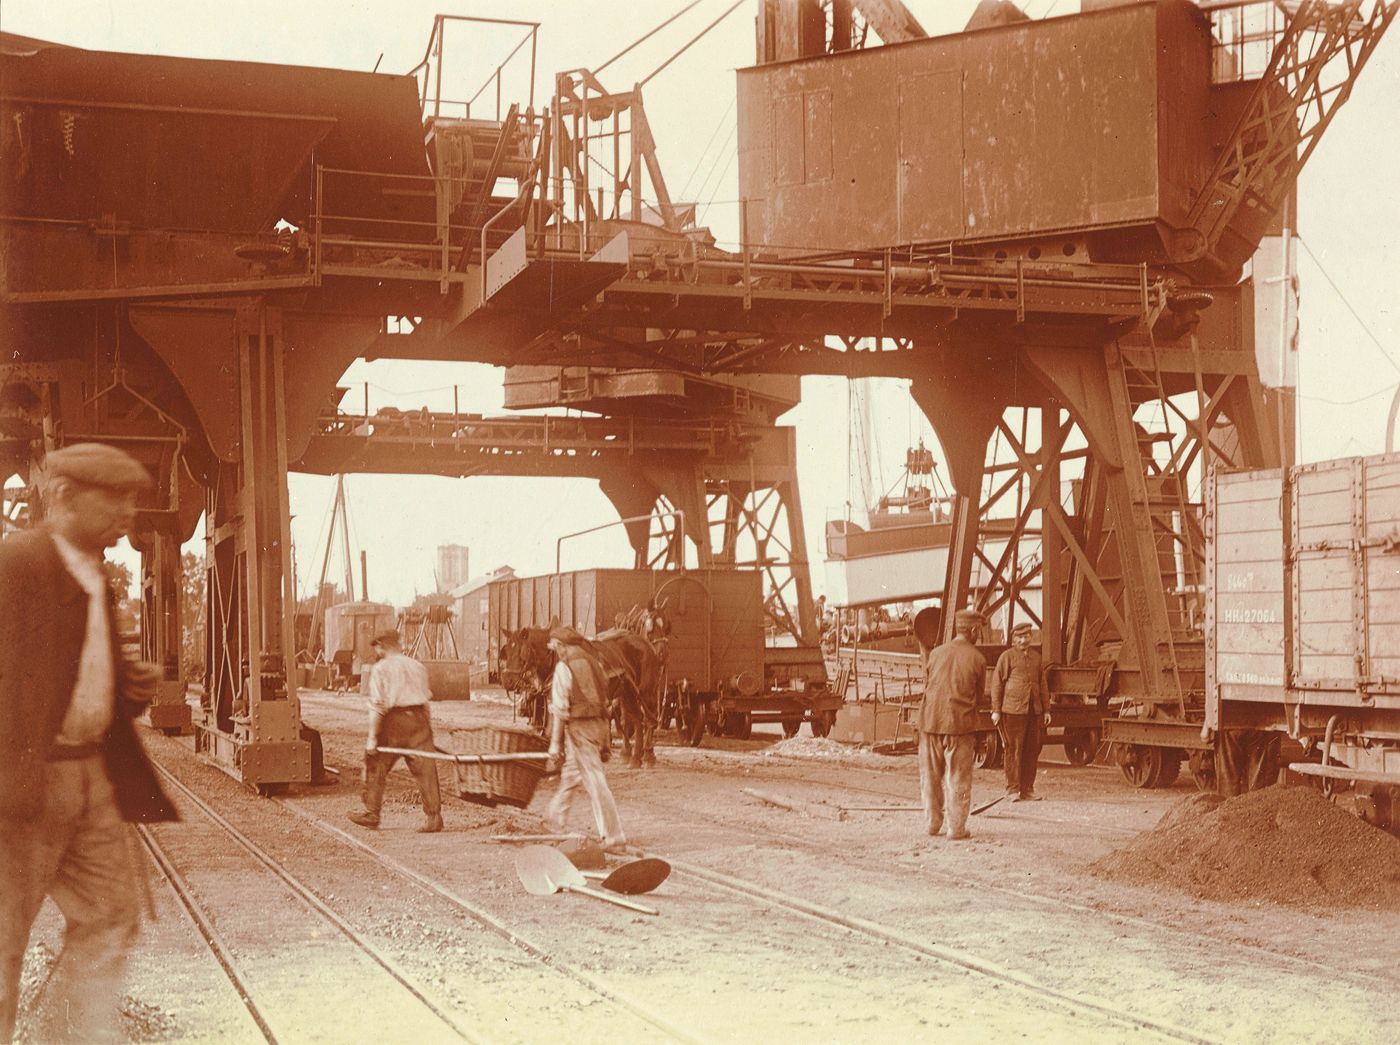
{"type": "Point", "coordinates": [578, 701]}
{"type": "Point", "coordinates": [954, 679]}
{"type": "Point", "coordinates": [72, 770]}
{"type": "Point", "coordinates": [1019, 712]}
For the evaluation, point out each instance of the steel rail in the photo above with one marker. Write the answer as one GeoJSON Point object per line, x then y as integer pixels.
{"type": "Point", "coordinates": [1059, 903]}
{"type": "Point", "coordinates": [204, 925]}
{"type": "Point", "coordinates": [490, 921]}
{"type": "Point", "coordinates": [971, 963]}
{"type": "Point", "coordinates": [309, 897]}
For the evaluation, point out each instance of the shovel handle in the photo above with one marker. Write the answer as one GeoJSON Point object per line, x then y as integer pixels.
{"type": "Point", "coordinates": [447, 756]}
{"type": "Point", "coordinates": [613, 898]}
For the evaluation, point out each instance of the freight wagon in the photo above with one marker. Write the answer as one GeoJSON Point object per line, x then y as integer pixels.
{"type": "Point", "coordinates": [720, 676]}
{"type": "Point", "coordinates": [1303, 620]}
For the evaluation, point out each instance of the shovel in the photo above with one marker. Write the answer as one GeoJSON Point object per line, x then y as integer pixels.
{"type": "Point", "coordinates": [544, 871]}
{"type": "Point", "coordinates": [632, 879]}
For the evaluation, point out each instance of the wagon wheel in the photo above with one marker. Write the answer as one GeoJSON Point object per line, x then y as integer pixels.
{"type": "Point", "coordinates": [1202, 765]}
{"type": "Point", "coordinates": [690, 723]}
{"type": "Point", "coordinates": [792, 723]}
{"type": "Point", "coordinates": [987, 754]}
{"type": "Point", "coordinates": [1171, 766]}
{"type": "Point", "coordinates": [1081, 745]}
{"type": "Point", "coordinates": [735, 724]}
{"type": "Point", "coordinates": [1142, 766]}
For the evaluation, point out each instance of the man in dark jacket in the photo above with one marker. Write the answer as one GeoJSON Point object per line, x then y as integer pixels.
{"type": "Point", "coordinates": [954, 680]}
{"type": "Point", "coordinates": [72, 771]}
{"type": "Point", "coordinates": [1018, 711]}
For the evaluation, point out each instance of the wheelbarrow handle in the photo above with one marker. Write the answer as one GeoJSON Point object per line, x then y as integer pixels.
{"type": "Point", "coordinates": [447, 756]}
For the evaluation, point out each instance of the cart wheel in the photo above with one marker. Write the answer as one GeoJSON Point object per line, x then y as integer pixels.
{"type": "Point", "coordinates": [791, 724]}
{"type": "Point", "coordinates": [1081, 745]}
{"type": "Point", "coordinates": [690, 720]}
{"type": "Point", "coordinates": [822, 721]}
{"type": "Point", "coordinates": [1171, 766]}
{"type": "Point", "coordinates": [740, 725]}
{"type": "Point", "coordinates": [1202, 765]}
{"type": "Point", "coordinates": [1146, 767]}
{"type": "Point", "coordinates": [987, 754]}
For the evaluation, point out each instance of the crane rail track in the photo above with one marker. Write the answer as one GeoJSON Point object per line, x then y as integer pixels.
{"type": "Point", "coordinates": [220, 947]}
{"type": "Point", "coordinates": [1099, 913]}
{"type": "Point", "coordinates": [484, 918]}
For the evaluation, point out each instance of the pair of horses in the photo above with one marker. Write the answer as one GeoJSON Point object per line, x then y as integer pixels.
{"type": "Point", "coordinates": [632, 656]}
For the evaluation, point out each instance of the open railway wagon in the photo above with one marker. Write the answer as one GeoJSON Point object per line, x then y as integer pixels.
{"type": "Point", "coordinates": [719, 675]}
{"type": "Point", "coordinates": [1303, 619]}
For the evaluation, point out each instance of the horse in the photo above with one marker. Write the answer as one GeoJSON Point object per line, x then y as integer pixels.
{"type": "Point", "coordinates": [631, 665]}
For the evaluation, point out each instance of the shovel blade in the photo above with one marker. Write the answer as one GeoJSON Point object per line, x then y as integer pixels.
{"type": "Point", "coordinates": [637, 877]}
{"type": "Point", "coordinates": [543, 870]}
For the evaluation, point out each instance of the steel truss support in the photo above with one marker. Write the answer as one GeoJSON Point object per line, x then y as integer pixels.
{"type": "Point", "coordinates": [1080, 479]}
{"type": "Point", "coordinates": [740, 510]}
{"type": "Point", "coordinates": [252, 724]}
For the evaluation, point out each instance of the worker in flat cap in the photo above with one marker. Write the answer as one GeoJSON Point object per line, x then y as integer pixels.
{"type": "Point", "coordinates": [398, 718]}
{"type": "Point", "coordinates": [578, 704]}
{"type": "Point", "coordinates": [954, 680]}
{"type": "Point", "coordinates": [73, 775]}
{"type": "Point", "coordinates": [1019, 712]}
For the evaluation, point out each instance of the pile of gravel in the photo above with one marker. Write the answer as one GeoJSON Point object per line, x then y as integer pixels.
{"type": "Point", "coordinates": [824, 749]}
{"type": "Point", "coordinates": [1281, 845]}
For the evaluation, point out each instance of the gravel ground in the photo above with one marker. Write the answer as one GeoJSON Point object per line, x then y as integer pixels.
{"type": "Point", "coordinates": [1018, 899]}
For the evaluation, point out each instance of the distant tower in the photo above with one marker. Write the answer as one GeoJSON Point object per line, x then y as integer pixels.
{"type": "Point", "coordinates": [451, 566]}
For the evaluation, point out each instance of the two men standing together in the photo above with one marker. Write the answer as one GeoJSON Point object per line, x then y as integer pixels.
{"type": "Point", "coordinates": [955, 678]}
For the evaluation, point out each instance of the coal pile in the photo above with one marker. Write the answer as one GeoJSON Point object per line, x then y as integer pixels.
{"type": "Point", "coordinates": [1282, 845]}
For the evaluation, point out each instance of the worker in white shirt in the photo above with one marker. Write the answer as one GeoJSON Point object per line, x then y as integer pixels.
{"type": "Point", "coordinates": [579, 733]}
{"type": "Point", "coordinates": [398, 717]}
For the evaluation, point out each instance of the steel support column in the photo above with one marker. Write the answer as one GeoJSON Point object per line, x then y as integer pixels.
{"type": "Point", "coordinates": [253, 723]}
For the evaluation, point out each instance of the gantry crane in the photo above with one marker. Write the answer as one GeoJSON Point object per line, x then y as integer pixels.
{"type": "Point", "coordinates": [1069, 312]}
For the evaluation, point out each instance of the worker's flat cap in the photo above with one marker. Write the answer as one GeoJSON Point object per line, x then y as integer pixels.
{"type": "Point", "coordinates": [1023, 628]}
{"type": "Point", "coordinates": [968, 618]}
{"type": "Point", "coordinates": [567, 635]}
{"type": "Point", "coordinates": [385, 638]}
{"type": "Point", "coordinates": [97, 464]}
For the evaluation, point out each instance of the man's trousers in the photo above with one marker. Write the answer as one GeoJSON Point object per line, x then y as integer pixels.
{"type": "Point", "coordinates": [945, 778]}
{"type": "Point", "coordinates": [79, 852]}
{"type": "Point", "coordinates": [583, 771]}
{"type": "Point", "coordinates": [409, 727]}
{"type": "Point", "coordinates": [1021, 738]}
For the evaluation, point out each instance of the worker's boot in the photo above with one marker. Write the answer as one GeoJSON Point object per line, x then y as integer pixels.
{"type": "Point", "coordinates": [365, 819]}
{"type": "Point", "coordinates": [432, 825]}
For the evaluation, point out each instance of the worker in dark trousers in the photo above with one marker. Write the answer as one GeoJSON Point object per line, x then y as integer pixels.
{"type": "Point", "coordinates": [954, 680]}
{"type": "Point", "coordinates": [1019, 713]}
{"type": "Point", "coordinates": [398, 717]}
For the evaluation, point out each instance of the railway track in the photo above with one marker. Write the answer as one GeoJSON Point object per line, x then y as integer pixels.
{"type": "Point", "coordinates": [249, 992]}
{"type": "Point", "coordinates": [970, 879]}
{"type": "Point", "coordinates": [981, 882]}
{"type": "Point", "coordinates": [413, 1009]}
{"type": "Point", "coordinates": [1100, 1012]}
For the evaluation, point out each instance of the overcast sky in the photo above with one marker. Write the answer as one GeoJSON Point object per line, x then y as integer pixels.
{"type": "Point", "coordinates": [1349, 216]}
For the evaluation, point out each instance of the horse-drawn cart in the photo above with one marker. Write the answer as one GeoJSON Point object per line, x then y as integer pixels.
{"type": "Point", "coordinates": [707, 627]}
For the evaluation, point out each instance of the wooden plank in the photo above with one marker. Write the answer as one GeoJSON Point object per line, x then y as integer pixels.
{"type": "Point", "coordinates": [1249, 548]}
{"type": "Point", "coordinates": [1234, 639]}
{"type": "Point", "coordinates": [1260, 516]}
{"type": "Point", "coordinates": [1236, 487]}
{"type": "Point", "coordinates": [1323, 607]}
{"type": "Point", "coordinates": [1323, 571]}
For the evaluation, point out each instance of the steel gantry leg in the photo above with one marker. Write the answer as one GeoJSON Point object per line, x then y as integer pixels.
{"type": "Point", "coordinates": [252, 724]}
